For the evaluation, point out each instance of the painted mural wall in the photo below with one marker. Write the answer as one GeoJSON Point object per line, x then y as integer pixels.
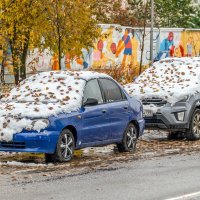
{"type": "Point", "coordinates": [118, 46]}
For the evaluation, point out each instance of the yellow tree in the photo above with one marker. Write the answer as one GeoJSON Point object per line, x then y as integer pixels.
{"type": "Point", "coordinates": [108, 10]}
{"type": "Point", "coordinates": [71, 26]}
{"type": "Point", "coordinates": [65, 26]}
{"type": "Point", "coordinates": [18, 20]}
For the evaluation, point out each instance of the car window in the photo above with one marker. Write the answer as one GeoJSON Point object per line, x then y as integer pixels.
{"type": "Point", "coordinates": [124, 96]}
{"type": "Point", "coordinates": [111, 90]}
{"type": "Point", "coordinates": [92, 90]}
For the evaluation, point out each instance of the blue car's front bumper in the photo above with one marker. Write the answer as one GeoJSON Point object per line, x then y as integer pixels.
{"type": "Point", "coordinates": [43, 142]}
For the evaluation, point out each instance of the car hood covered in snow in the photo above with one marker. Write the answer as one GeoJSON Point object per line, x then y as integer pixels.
{"type": "Point", "coordinates": [171, 79]}
{"type": "Point", "coordinates": [41, 96]}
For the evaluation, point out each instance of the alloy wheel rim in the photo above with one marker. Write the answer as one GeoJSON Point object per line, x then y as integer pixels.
{"type": "Point", "coordinates": [196, 124]}
{"type": "Point", "coordinates": [67, 146]}
{"type": "Point", "coordinates": [131, 138]}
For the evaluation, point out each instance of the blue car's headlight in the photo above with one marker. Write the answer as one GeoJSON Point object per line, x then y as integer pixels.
{"type": "Point", "coordinates": [39, 124]}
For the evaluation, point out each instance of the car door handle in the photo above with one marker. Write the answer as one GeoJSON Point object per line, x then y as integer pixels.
{"type": "Point", "coordinates": [104, 111]}
{"type": "Point", "coordinates": [125, 107]}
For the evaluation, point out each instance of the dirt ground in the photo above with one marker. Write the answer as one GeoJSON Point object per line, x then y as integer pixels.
{"type": "Point", "coordinates": [20, 167]}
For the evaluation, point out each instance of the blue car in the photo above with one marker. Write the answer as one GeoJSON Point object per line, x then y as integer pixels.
{"type": "Point", "coordinates": [57, 112]}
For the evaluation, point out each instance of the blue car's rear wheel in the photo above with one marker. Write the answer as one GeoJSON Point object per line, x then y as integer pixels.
{"type": "Point", "coordinates": [64, 149]}
{"type": "Point", "coordinates": [129, 141]}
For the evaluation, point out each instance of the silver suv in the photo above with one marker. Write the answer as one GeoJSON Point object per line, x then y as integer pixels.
{"type": "Point", "coordinates": [170, 92]}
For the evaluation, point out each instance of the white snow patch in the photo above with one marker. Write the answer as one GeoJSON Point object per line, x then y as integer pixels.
{"type": "Point", "coordinates": [171, 79]}
{"type": "Point", "coordinates": [151, 107]}
{"type": "Point", "coordinates": [14, 163]}
{"type": "Point", "coordinates": [106, 149]}
{"type": "Point", "coordinates": [40, 124]}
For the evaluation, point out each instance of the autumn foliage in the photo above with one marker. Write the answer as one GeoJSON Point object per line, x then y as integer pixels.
{"type": "Point", "coordinates": [63, 26]}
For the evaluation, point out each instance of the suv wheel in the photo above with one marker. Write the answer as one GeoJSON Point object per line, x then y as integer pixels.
{"type": "Point", "coordinates": [129, 139]}
{"type": "Point", "coordinates": [64, 149]}
{"type": "Point", "coordinates": [194, 131]}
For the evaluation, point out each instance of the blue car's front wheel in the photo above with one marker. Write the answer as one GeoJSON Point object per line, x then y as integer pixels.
{"type": "Point", "coordinates": [64, 149]}
{"type": "Point", "coordinates": [129, 139]}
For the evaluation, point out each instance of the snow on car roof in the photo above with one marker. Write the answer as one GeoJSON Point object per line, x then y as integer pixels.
{"type": "Point", "coordinates": [41, 96]}
{"type": "Point", "coordinates": [171, 79]}
{"type": "Point", "coordinates": [52, 87]}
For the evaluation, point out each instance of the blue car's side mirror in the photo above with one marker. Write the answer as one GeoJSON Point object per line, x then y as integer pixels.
{"type": "Point", "coordinates": [91, 102]}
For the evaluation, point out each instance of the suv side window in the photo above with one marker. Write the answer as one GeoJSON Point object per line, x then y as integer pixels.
{"type": "Point", "coordinates": [111, 90]}
{"type": "Point", "coordinates": [92, 90]}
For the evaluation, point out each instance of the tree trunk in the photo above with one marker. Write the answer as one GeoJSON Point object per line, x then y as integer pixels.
{"type": "Point", "coordinates": [59, 52]}
{"type": "Point", "coordinates": [16, 70]}
{"type": "Point", "coordinates": [23, 57]}
{"type": "Point", "coordinates": [142, 50]}
{"type": "Point", "coordinates": [143, 38]}
{"type": "Point", "coordinates": [2, 71]}
{"type": "Point", "coordinates": [59, 36]}
{"type": "Point", "coordinates": [15, 53]}
{"type": "Point", "coordinates": [23, 62]}
{"type": "Point", "coordinates": [23, 65]}
{"type": "Point", "coordinates": [15, 64]}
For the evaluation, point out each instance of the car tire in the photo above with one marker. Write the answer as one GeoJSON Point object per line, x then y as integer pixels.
{"type": "Point", "coordinates": [64, 149]}
{"type": "Point", "coordinates": [194, 131]}
{"type": "Point", "coordinates": [129, 140]}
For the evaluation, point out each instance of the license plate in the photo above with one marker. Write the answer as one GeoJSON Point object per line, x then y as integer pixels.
{"type": "Point", "coordinates": [148, 113]}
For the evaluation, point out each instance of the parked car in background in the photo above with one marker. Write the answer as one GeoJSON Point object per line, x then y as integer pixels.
{"type": "Point", "coordinates": [170, 92]}
{"type": "Point", "coordinates": [57, 112]}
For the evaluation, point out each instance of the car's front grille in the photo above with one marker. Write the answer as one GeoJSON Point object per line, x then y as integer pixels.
{"type": "Point", "coordinates": [154, 101]}
{"type": "Point", "coordinates": [153, 121]}
{"type": "Point", "coordinates": [13, 145]}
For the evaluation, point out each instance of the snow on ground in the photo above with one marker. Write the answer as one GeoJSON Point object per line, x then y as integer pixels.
{"type": "Point", "coordinates": [15, 163]}
{"type": "Point", "coordinates": [171, 79]}
{"type": "Point", "coordinates": [101, 150]}
{"type": "Point", "coordinates": [40, 96]}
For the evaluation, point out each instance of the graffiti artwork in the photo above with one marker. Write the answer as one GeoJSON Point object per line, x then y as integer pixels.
{"type": "Point", "coordinates": [118, 46]}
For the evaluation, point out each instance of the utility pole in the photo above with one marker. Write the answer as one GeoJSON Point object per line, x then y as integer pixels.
{"type": "Point", "coordinates": [151, 35]}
